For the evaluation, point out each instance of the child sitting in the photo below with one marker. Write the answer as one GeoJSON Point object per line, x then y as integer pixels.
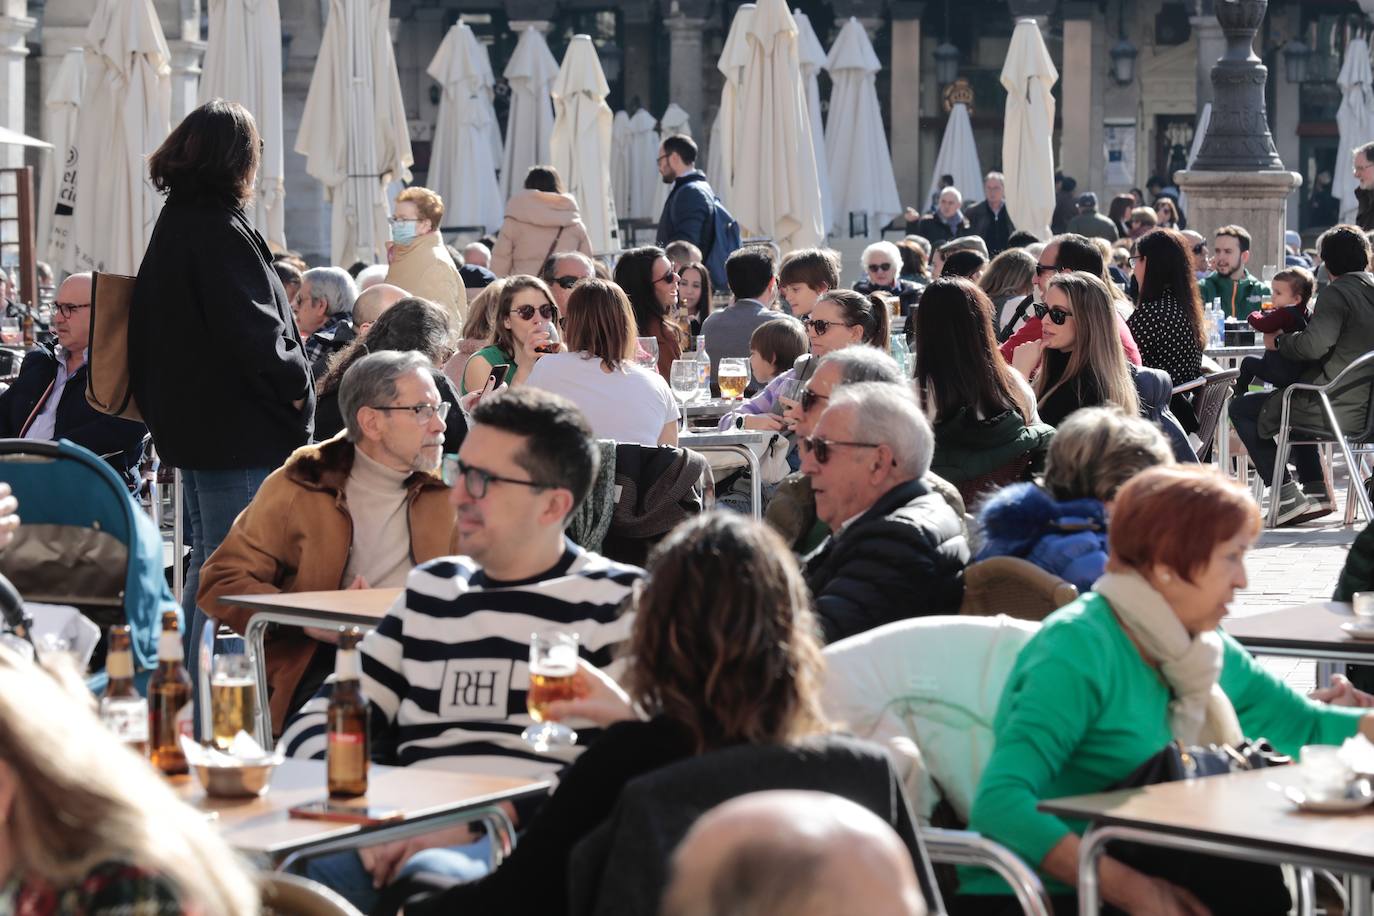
{"type": "Point", "coordinates": [773, 349]}
{"type": "Point", "coordinates": [1292, 291]}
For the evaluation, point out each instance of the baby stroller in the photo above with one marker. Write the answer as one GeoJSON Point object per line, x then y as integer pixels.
{"type": "Point", "coordinates": [84, 542]}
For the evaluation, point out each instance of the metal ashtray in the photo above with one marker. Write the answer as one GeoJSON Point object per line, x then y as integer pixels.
{"type": "Point", "coordinates": [243, 781]}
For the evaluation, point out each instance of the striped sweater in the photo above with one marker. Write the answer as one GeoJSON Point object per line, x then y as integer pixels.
{"type": "Point", "coordinates": [447, 669]}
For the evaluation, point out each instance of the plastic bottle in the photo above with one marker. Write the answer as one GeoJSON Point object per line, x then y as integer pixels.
{"type": "Point", "coordinates": [897, 347]}
{"type": "Point", "coordinates": [703, 365]}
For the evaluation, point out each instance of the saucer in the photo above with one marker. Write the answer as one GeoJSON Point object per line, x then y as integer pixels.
{"type": "Point", "coordinates": [1354, 628]}
{"type": "Point", "coordinates": [1358, 795]}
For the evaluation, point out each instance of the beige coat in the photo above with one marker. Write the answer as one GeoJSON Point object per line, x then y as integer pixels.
{"type": "Point", "coordinates": [537, 224]}
{"type": "Point", "coordinates": [424, 268]}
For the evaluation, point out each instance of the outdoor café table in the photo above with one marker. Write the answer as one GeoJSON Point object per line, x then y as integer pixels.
{"type": "Point", "coordinates": [740, 442]}
{"type": "Point", "coordinates": [711, 408]}
{"type": "Point", "coordinates": [1236, 815]}
{"type": "Point", "coordinates": [1230, 357]}
{"type": "Point", "coordinates": [428, 800]}
{"type": "Point", "coordinates": [357, 607]}
{"type": "Point", "coordinates": [1305, 631]}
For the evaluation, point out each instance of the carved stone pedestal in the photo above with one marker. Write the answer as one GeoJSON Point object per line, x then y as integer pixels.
{"type": "Point", "coordinates": [1256, 200]}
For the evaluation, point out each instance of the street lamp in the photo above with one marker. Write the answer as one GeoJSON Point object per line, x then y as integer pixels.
{"type": "Point", "coordinates": [1123, 55]}
{"type": "Point", "coordinates": [1295, 58]}
{"type": "Point", "coordinates": [946, 63]}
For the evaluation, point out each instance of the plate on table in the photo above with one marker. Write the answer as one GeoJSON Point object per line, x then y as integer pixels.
{"type": "Point", "coordinates": [1355, 629]}
{"type": "Point", "coordinates": [1358, 795]}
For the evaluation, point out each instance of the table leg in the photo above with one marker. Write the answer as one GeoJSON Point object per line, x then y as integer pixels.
{"type": "Point", "coordinates": [1090, 851]}
{"type": "Point", "coordinates": [1360, 896]}
{"type": "Point", "coordinates": [1222, 448]}
{"type": "Point", "coordinates": [255, 637]}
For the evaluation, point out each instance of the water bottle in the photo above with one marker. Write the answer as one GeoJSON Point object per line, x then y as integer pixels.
{"type": "Point", "coordinates": [703, 366]}
{"type": "Point", "coordinates": [1219, 324]}
{"type": "Point", "coordinates": [897, 347]}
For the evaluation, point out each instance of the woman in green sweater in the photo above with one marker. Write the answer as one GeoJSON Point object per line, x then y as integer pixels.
{"type": "Point", "coordinates": [1114, 677]}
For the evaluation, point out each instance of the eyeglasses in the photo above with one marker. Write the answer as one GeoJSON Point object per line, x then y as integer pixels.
{"type": "Point", "coordinates": [1046, 268]}
{"type": "Point", "coordinates": [1055, 313]}
{"type": "Point", "coordinates": [1134, 259]}
{"type": "Point", "coordinates": [65, 309]}
{"type": "Point", "coordinates": [1199, 249]}
{"type": "Point", "coordinates": [568, 282]}
{"type": "Point", "coordinates": [819, 447]}
{"type": "Point", "coordinates": [423, 412]}
{"type": "Point", "coordinates": [527, 312]}
{"type": "Point", "coordinates": [821, 326]}
{"type": "Point", "coordinates": [670, 278]}
{"type": "Point", "coordinates": [476, 480]}
{"type": "Point", "coordinates": [809, 398]}
{"type": "Point", "coordinates": [879, 268]}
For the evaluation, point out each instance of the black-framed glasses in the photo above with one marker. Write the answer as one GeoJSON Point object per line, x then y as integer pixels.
{"type": "Point", "coordinates": [1134, 259]}
{"type": "Point", "coordinates": [879, 268]}
{"type": "Point", "coordinates": [423, 412]}
{"type": "Point", "coordinates": [821, 325]}
{"type": "Point", "coordinates": [809, 398]}
{"type": "Point", "coordinates": [821, 447]}
{"type": "Point", "coordinates": [1199, 249]}
{"type": "Point", "coordinates": [67, 309]}
{"type": "Point", "coordinates": [1054, 313]}
{"type": "Point", "coordinates": [568, 282]}
{"type": "Point", "coordinates": [1046, 268]}
{"type": "Point", "coordinates": [527, 312]}
{"type": "Point", "coordinates": [476, 480]}
{"type": "Point", "coordinates": [670, 277]}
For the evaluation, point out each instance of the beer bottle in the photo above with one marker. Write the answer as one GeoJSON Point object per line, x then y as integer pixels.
{"type": "Point", "coordinates": [347, 727]}
{"type": "Point", "coordinates": [169, 701]}
{"type": "Point", "coordinates": [122, 708]}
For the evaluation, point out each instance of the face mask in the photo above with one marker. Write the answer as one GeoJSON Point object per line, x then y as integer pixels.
{"type": "Point", "coordinates": [403, 231]}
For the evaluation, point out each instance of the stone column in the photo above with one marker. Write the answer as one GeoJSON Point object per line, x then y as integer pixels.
{"type": "Point", "coordinates": [1211, 45]}
{"type": "Point", "coordinates": [685, 64]}
{"type": "Point", "coordinates": [1079, 117]}
{"type": "Point", "coordinates": [186, 57]}
{"type": "Point", "coordinates": [905, 101]}
{"type": "Point", "coordinates": [15, 25]}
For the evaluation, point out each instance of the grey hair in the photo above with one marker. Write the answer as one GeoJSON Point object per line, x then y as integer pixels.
{"type": "Point", "coordinates": [1097, 449]}
{"type": "Point", "coordinates": [888, 414]}
{"type": "Point", "coordinates": [864, 364]}
{"type": "Point", "coordinates": [888, 249]}
{"type": "Point", "coordinates": [952, 190]}
{"type": "Point", "coordinates": [995, 174]}
{"type": "Point", "coordinates": [372, 380]}
{"type": "Point", "coordinates": [334, 286]}
{"type": "Point", "coordinates": [478, 246]}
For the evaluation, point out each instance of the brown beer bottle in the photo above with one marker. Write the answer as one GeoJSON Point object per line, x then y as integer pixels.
{"type": "Point", "coordinates": [347, 755]}
{"type": "Point", "coordinates": [169, 701]}
{"type": "Point", "coordinates": [122, 708]}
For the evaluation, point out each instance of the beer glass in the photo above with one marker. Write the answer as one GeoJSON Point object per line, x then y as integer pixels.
{"type": "Point", "coordinates": [733, 378]}
{"type": "Point", "coordinates": [233, 698]}
{"type": "Point", "coordinates": [553, 664]}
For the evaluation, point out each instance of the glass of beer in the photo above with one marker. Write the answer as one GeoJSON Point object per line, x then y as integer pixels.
{"type": "Point", "coordinates": [733, 378]}
{"type": "Point", "coordinates": [233, 698]}
{"type": "Point", "coordinates": [553, 664]}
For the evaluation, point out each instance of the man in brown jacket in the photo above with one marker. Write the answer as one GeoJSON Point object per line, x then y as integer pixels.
{"type": "Point", "coordinates": [358, 511]}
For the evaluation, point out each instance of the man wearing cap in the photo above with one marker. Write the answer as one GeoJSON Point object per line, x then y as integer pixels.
{"type": "Point", "coordinates": [1089, 222]}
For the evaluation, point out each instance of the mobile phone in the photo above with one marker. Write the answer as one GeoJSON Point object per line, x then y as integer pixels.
{"type": "Point", "coordinates": [498, 376]}
{"type": "Point", "coordinates": [327, 809]}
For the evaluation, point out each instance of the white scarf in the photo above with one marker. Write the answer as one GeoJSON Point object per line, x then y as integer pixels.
{"type": "Point", "coordinates": [1191, 665]}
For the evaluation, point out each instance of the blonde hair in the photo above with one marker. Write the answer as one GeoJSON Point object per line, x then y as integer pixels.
{"type": "Point", "coordinates": [1097, 351]}
{"type": "Point", "coordinates": [430, 204]}
{"type": "Point", "coordinates": [1097, 449]}
{"type": "Point", "coordinates": [88, 799]}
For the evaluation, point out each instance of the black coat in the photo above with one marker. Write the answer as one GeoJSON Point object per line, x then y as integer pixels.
{"type": "Point", "coordinates": [937, 231]}
{"type": "Point", "coordinates": [214, 355]}
{"type": "Point", "coordinates": [117, 440]}
{"type": "Point", "coordinates": [902, 558]}
{"type": "Point", "coordinates": [993, 228]}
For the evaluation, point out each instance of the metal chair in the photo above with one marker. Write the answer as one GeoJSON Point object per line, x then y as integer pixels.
{"type": "Point", "coordinates": [1209, 404]}
{"type": "Point", "coordinates": [292, 895]}
{"type": "Point", "coordinates": [1350, 444]}
{"type": "Point", "coordinates": [1015, 587]}
{"type": "Point", "coordinates": [964, 847]}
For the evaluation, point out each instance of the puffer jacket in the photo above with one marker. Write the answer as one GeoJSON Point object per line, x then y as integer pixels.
{"type": "Point", "coordinates": [902, 558]}
{"type": "Point", "coordinates": [537, 224]}
{"type": "Point", "coordinates": [1155, 391]}
{"type": "Point", "coordinates": [1068, 539]}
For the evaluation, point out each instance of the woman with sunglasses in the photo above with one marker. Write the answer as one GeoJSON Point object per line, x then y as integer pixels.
{"type": "Point", "coordinates": [882, 266]}
{"type": "Point", "coordinates": [524, 317]}
{"type": "Point", "coordinates": [621, 401]}
{"type": "Point", "coordinates": [647, 277]}
{"type": "Point", "coordinates": [1167, 322]}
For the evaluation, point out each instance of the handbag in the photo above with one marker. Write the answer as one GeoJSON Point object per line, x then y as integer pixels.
{"type": "Point", "coordinates": [108, 386]}
{"type": "Point", "coordinates": [1224, 885]}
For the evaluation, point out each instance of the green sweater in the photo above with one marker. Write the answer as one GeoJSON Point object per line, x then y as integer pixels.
{"type": "Point", "coordinates": [1238, 297]}
{"type": "Point", "coordinates": [1081, 710]}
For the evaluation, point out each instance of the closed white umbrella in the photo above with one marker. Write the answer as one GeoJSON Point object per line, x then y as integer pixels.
{"type": "Point", "coordinates": [580, 148]}
{"type": "Point", "coordinates": [1027, 154]}
{"type": "Point", "coordinates": [776, 191]}
{"type": "Point", "coordinates": [353, 132]}
{"type": "Point", "coordinates": [530, 74]}
{"type": "Point", "coordinates": [1355, 119]}
{"type": "Point", "coordinates": [675, 120]}
{"type": "Point", "coordinates": [243, 64]}
{"type": "Point", "coordinates": [126, 101]}
{"type": "Point", "coordinates": [813, 61]}
{"type": "Point", "coordinates": [462, 164]}
{"type": "Point", "coordinates": [860, 162]}
{"type": "Point", "coordinates": [958, 156]}
{"type": "Point", "coordinates": [620, 161]}
{"type": "Point", "coordinates": [10, 137]}
{"type": "Point", "coordinates": [644, 176]}
{"type": "Point", "coordinates": [57, 190]}
{"type": "Point", "coordinates": [720, 161]}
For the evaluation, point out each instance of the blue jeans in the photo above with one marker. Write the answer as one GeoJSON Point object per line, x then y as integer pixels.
{"type": "Point", "coordinates": [211, 500]}
{"type": "Point", "coordinates": [343, 872]}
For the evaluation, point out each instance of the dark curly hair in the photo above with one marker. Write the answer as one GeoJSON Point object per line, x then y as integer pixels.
{"type": "Point", "coordinates": [410, 324]}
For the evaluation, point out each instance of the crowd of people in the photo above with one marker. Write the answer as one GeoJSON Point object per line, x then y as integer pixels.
{"type": "Point", "coordinates": [442, 424]}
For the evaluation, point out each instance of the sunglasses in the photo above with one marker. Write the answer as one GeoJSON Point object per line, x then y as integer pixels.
{"type": "Point", "coordinates": [809, 398]}
{"type": "Point", "coordinates": [526, 312]}
{"type": "Point", "coordinates": [568, 282]}
{"type": "Point", "coordinates": [670, 278]}
{"type": "Point", "coordinates": [1046, 268]}
{"type": "Point", "coordinates": [821, 326]}
{"type": "Point", "coordinates": [1056, 314]}
{"type": "Point", "coordinates": [878, 268]}
{"type": "Point", "coordinates": [1200, 249]}
{"type": "Point", "coordinates": [819, 447]}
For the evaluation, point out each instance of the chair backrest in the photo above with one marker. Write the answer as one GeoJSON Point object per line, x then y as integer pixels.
{"type": "Point", "coordinates": [622, 867]}
{"type": "Point", "coordinates": [1208, 403]}
{"type": "Point", "coordinates": [976, 489]}
{"type": "Point", "coordinates": [1013, 586]}
{"type": "Point", "coordinates": [291, 895]}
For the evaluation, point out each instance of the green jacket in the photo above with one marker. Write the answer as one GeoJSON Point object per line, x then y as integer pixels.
{"type": "Point", "coordinates": [967, 448]}
{"type": "Point", "coordinates": [1238, 297]}
{"type": "Point", "coordinates": [1341, 329]}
